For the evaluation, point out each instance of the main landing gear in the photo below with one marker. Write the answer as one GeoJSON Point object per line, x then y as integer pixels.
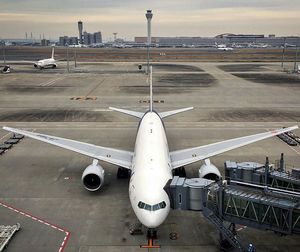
{"type": "Point", "coordinates": [151, 236]}
{"type": "Point", "coordinates": [180, 171]}
{"type": "Point", "coordinates": [123, 173]}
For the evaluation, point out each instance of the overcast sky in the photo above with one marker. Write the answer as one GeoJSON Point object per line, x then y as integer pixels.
{"type": "Point", "coordinates": [127, 17]}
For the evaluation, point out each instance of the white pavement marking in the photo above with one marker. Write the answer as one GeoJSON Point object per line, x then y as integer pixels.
{"type": "Point", "coordinates": [101, 110]}
{"type": "Point", "coordinates": [5, 135]}
{"type": "Point", "coordinates": [51, 82]}
{"type": "Point", "coordinates": [290, 146]}
{"type": "Point", "coordinates": [239, 125]}
{"type": "Point", "coordinates": [295, 150]}
{"type": "Point", "coordinates": [34, 218]}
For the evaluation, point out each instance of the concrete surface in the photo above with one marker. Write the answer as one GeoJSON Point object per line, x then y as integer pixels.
{"type": "Point", "coordinates": [45, 182]}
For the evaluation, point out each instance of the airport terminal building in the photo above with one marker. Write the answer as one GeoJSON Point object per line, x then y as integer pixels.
{"type": "Point", "coordinates": [243, 39]}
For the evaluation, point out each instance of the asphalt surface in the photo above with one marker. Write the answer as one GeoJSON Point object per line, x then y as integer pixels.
{"type": "Point", "coordinates": [44, 182]}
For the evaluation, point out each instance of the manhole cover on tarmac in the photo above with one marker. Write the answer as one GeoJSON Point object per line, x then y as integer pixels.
{"type": "Point", "coordinates": [173, 236]}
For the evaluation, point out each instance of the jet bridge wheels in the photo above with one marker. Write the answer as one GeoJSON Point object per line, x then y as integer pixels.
{"type": "Point", "coordinates": [123, 173]}
{"type": "Point", "coordinates": [180, 171]}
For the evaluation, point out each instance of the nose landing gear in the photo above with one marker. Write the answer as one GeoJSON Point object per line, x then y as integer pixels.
{"type": "Point", "coordinates": [151, 236]}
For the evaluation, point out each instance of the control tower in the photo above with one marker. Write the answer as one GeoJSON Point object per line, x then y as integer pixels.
{"type": "Point", "coordinates": [80, 28]}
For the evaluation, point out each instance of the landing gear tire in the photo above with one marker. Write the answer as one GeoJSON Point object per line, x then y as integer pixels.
{"type": "Point", "coordinates": [123, 173]}
{"type": "Point", "coordinates": [179, 172]}
{"type": "Point", "coordinates": [151, 234]}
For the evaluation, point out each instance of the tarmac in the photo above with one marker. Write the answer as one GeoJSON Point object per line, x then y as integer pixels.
{"type": "Point", "coordinates": [41, 185]}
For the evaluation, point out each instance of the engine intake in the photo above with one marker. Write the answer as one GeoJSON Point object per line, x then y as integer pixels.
{"type": "Point", "coordinates": [209, 171]}
{"type": "Point", "coordinates": [93, 176]}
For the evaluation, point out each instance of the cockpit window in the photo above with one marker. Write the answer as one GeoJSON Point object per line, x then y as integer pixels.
{"type": "Point", "coordinates": [162, 204]}
{"type": "Point", "coordinates": [148, 207]}
{"type": "Point", "coordinates": [155, 207]}
{"type": "Point", "coordinates": [141, 204]}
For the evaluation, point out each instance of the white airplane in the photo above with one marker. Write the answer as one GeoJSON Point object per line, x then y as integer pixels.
{"type": "Point", "coordinates": [6, 69]}
{"type": "Point", "coordinates": [150, 163]}
{"type": "Point", "coordinates": [46, 63]}
{"type": "Point", "coordinates": [223, 47]}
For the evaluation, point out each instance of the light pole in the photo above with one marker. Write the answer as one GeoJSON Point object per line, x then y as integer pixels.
{"type": "Point", "coordinates": [283, 51]}
{"type": "Point", "coordinates": [149, 17]}
{"type": "Point", "coordinates": [296, 57]}
{"type": "Point", "coordinates": [68, 67]}
{"type": "Point", "coordinates": [4, 56]}
{"type": "Point", "coordinates": [75, 56]}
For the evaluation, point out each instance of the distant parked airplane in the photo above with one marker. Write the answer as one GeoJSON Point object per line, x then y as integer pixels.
{"type": "Point", "coordinates": [223, 47]}
{"type": "Point", "coordinates": [6, 69]}
{"type": "Point", "coordinates": [46, 63]}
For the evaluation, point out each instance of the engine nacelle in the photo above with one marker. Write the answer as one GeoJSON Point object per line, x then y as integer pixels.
{"type": "Point", "coordinates": [93, 176]}
{"type": "Point", "coordinates": [209, 171]}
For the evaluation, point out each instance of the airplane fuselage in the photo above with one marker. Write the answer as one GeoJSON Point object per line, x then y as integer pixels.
{"type": "Point", "coordinates": [45, 63]}
{"type": "Point", "coordinates": [151, 170]}
{"type": "Point", "coordinates": [225, 48]}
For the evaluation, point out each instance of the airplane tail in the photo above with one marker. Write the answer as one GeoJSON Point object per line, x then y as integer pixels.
{"type": "Point", "coordinates": [135, 113]}
{"type": "Point", "coordinates": [52, 55]}
{"type": "Point", "coordinates": [141, 114]}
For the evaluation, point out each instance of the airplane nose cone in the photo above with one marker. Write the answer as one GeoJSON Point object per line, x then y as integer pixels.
{"type": "Point", "coordinates": [153, 219]}
{"type": "Point", "coordinates": [151, 222]}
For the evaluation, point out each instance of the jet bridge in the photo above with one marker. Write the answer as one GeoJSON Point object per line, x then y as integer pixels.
{"type": "Point", "coordinates": [264, 174]}
{"type": "Point", "coordinates": [254, 206]}
{"type": "Point", "coordinates": [6, 234]}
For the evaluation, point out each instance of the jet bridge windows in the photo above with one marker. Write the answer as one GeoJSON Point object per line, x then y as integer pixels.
{"type": "Point", "coordinates": [155, 207]}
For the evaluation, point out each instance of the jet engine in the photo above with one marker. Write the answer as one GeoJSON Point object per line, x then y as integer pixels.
{"type": "Point", "coordinates": [93, 176]}
{"type": "Point", "coordinates": [209, 171]}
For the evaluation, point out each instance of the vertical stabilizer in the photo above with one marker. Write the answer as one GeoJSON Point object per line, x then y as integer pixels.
{"type": "Point", "coordinates": [151, 92]}
{"type": "Point", "coordinates": [52, 55]}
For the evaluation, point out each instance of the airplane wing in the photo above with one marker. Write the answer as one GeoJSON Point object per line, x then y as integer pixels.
{"type": "Point", "coordinates": [109, 155]}
{"type": "Point", "coordinates": [187, 156]}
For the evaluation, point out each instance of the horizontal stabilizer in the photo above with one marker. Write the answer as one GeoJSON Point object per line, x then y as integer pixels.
{"type": "Point", "coordinates": [174, 112]}
{"type": "Point", "coordinates": [128, 112]}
